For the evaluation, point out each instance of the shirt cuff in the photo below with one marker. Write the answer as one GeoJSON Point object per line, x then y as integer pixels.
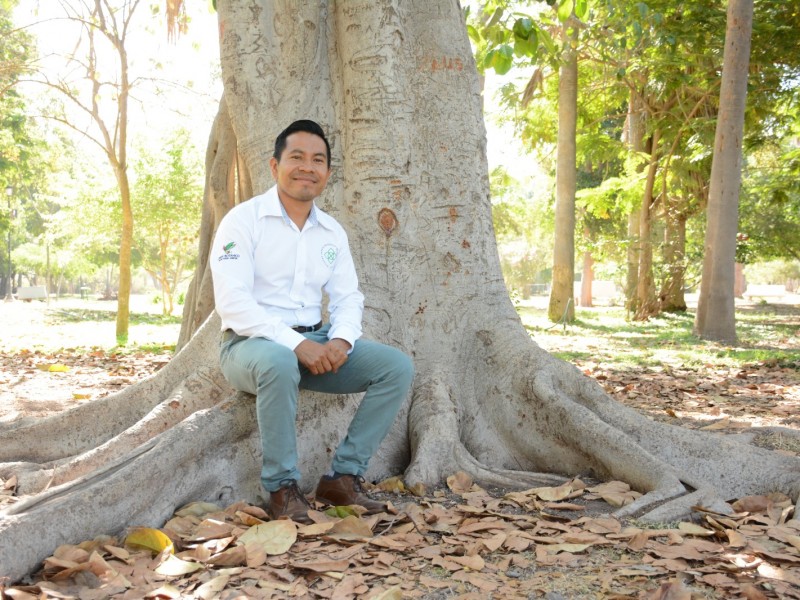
{"type": "Point", "coordinates": [344, 333]}
{"type": "Point", "coordinates": [289, 338]}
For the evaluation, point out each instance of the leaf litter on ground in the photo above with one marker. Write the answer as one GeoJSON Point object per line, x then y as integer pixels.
{"type": "Point", "coordinates": [457, 542]}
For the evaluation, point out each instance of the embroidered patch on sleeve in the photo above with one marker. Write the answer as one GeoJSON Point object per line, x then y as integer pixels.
{"type": "Point", "coordinates": [329, 254]}
{"type": "Point", "coordinates": [228, 253]}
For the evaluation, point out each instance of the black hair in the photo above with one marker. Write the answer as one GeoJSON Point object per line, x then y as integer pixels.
{"type": "Point", "coordinates": [302, 125]}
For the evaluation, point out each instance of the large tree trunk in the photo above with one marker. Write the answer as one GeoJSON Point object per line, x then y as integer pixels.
{"type": "Point", "coordinates": [395, 85]}
{"type": "Point", "coordinates": [561, 306]}
{"type": "Point", "coordinates": [716, 319]}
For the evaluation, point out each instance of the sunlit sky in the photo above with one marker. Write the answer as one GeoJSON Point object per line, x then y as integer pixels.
{"type": "Point", "coordinates": [194, 60]}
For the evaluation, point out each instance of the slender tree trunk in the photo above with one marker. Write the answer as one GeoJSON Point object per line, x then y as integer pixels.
{"type": "Point", "coordinates": [646, 305]}
{"type": "Point", "coordinates": [125, 252]}
{"type": "Point", "coordinates": [671, 296]}
{"type": "Point", "coordinates": [716, 319]}
{"type": "Point", "coordinates": [739, 281]}
{"type": "Point", "coordinates": [635, 141]}
{"type": "Point", "coordinates": [587, 277]}
{"type": "Point", "coordinates": [563, 287]}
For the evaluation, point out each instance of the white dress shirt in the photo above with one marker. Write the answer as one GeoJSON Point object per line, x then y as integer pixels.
{"type": "Point", "coordinates": [269, 275]}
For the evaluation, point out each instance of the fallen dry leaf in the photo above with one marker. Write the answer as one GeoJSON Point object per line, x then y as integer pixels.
{"type": "Point", "coordinates": [275, 537]}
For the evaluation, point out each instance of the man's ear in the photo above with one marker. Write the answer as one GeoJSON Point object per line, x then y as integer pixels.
{"type": "Point", "coordinates": [273, 167]}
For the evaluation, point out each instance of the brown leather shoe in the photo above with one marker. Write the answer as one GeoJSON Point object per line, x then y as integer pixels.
{"type": "Point", "coordinates": [288, 502]}
{"type": "Point", "coordinates": [345, 490]}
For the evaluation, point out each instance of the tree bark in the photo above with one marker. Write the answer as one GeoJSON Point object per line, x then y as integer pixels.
{"type": "Point", "coordinates": [562, 291]}
{"type": "Point", "coordinates": [671, 298]}
{"type": "Point", "coordinates": [716, 319]}
{"type": "Point", "coordinates": [646, 304]}
{"type": "Point", "coordinates": [587, 277]}
{"type": "Point", "coordinates": [635, 140]}
{"type": "Point", "coordinates": [739, 281]}
{"type": "Point", "coordinates": [395, 85]}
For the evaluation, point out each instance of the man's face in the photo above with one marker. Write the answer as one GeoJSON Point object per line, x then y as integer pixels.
{"type": "Point", "coordinates": [302, 171]}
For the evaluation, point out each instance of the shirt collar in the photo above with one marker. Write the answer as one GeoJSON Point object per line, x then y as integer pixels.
{"type": "Point", "coordinates": [270, 206]}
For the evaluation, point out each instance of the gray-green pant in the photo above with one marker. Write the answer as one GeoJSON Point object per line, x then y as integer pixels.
{"type": "Point", "coordinates": [273, 373]}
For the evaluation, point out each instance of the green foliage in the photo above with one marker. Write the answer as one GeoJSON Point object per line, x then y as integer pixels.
{"type": "Point", "coordinates": [524, 228]}
{"type": "Point", "coordinates": [668, 56]}
{"type": "Point", "coordinates": [167, 198]}
{"type": "Point", "coordinates": [770, 203]}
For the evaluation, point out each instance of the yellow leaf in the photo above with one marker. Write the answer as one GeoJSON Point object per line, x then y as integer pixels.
{"type": "Point", "coordinates": [80, 396]}
{"type": "Point", "coordinates": [341, 512]}
{"type": "Point", "coordinates": [174, 567]}
{"type": "Point", "coordinates": [418, 489]}
{"type": "Point", "coordinates": [393, 485]}
{"type": "Point", "coordinates": [58, 368]}
{"type": "Point", "coordinates": [151, 539]}
{"type": "Point", "coordinates": [276, 537]}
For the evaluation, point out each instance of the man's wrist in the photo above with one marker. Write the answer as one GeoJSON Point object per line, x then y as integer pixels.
{"type": "Point", "coordinates": [343, 341]}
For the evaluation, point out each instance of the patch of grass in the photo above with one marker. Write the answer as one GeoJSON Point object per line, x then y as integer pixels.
{"type": "Point", "coordinates": [80, 315]}
{"type": "Point", "coordinates": [604, 334]}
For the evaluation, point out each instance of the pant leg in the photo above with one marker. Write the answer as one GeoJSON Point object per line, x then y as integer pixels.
{"type": "Point", "coordinates": [385, 374]}
{"type": "Point", "coordinates": [271, 372]}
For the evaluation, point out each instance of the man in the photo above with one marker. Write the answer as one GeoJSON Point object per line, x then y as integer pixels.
{"type": "Point", "coordinates": [274, 256]}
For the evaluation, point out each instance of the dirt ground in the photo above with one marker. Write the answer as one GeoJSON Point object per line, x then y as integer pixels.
{"type": "Point", "coordinates": [459, 541]}
{"type": "Point", "coordinates": [54, 356]}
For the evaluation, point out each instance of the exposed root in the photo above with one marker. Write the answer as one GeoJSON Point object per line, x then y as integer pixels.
{"type": "Point", "coordinates": [90, 425]}
{"type": "Point", "coordinates": [682, 507]}
{"type": "Point", "coordinates": [649, 501]}
{"type": "Point", "coordinates": [433, 432]}
{"type": "Point", "coordinates": [504, 478]}
{"type": "Point", "coordinates": [141, 488]}
{"type": "Point", "coordinates": [200, 390]}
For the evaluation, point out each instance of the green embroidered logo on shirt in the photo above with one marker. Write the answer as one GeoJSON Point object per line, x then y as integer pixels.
{"type": "Point", "coordinates": [329, 253]}
{"type": "Point", "coordinates": [227, 249]}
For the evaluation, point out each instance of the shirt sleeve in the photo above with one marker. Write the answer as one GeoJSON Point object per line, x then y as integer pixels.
{"type": "Point", "coordinates": [346, 302]}
{"type": "Point", "coordinates": [232, 270]}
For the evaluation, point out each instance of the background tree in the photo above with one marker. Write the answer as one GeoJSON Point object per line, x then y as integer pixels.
{"type": "Point", "coordinates": [19, 141]}
{"type": "Point", "coordinates": [96, 84]}
{"type": "Point", "coordinates": [168, 195]}
{"type": "Point", "coordinates": [715, 317]}
{"type": "Point", "coordinates": [396, 88]}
